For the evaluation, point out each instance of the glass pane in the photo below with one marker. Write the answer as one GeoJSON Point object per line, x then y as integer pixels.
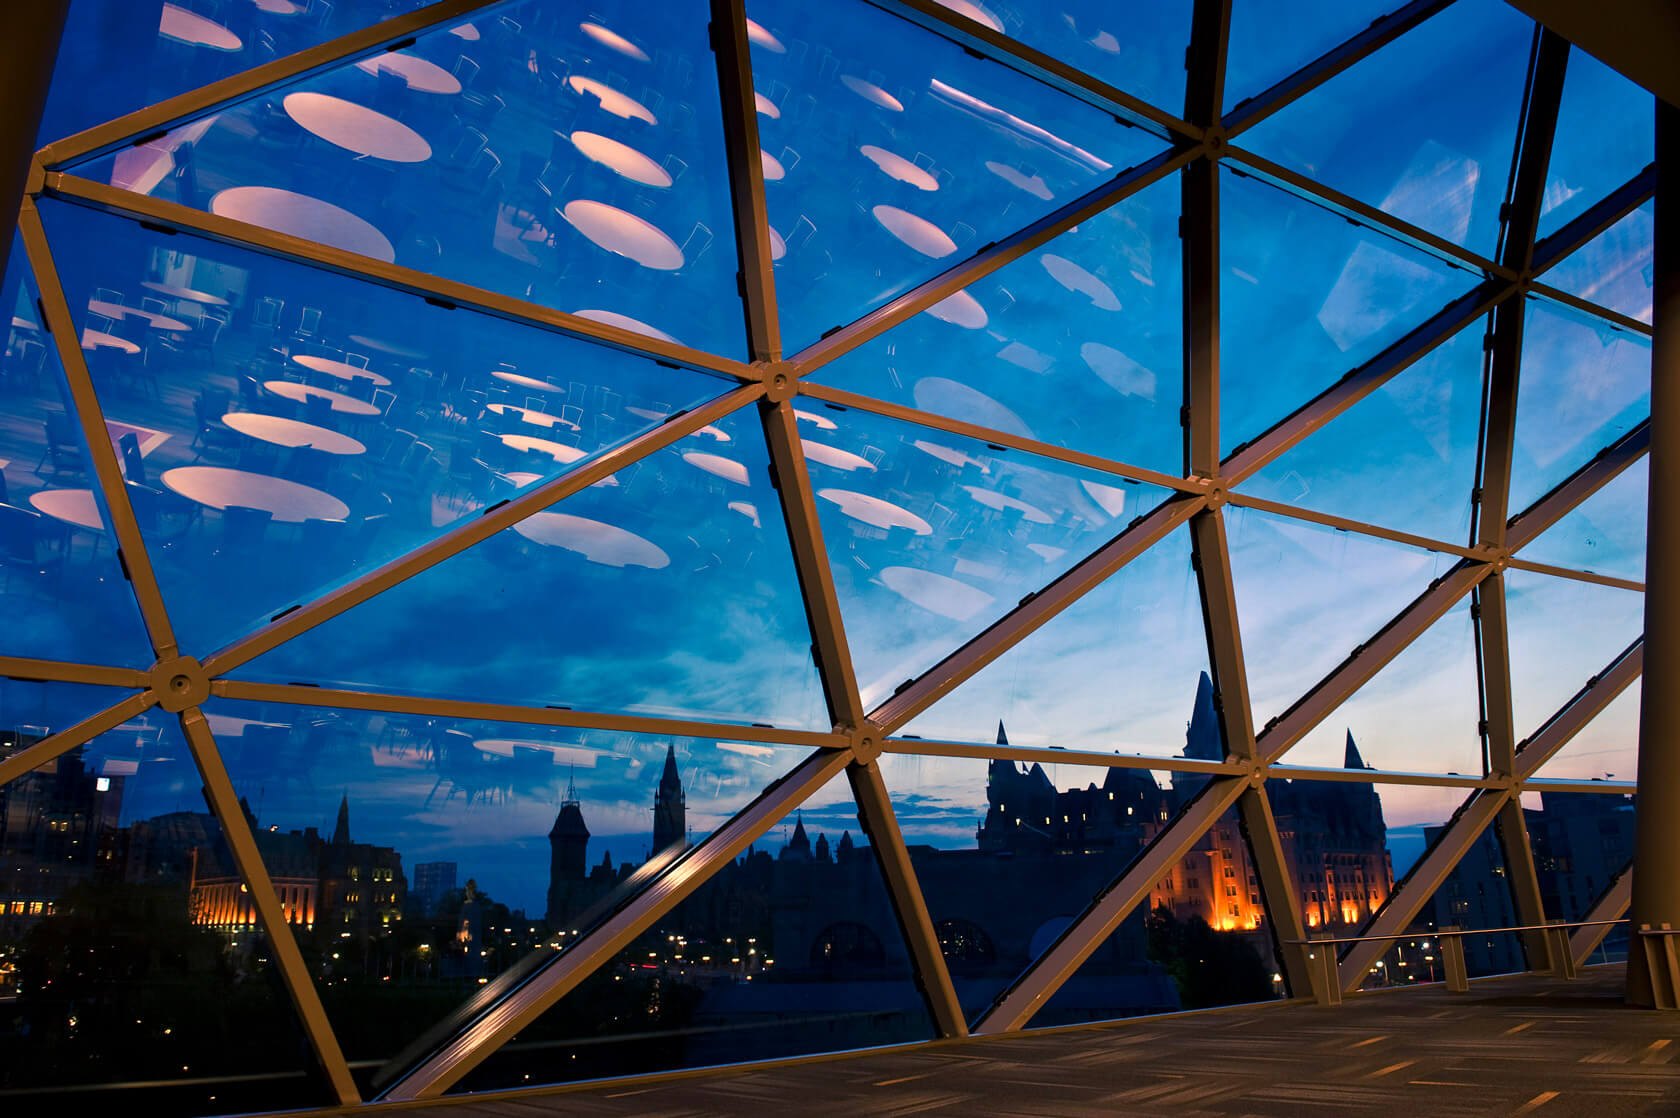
{"type": "Point", "coordinates": [1420, 429]}
{"type": "Point", "coordinates": [1613, 269]}
{"type": "Point", "coordinates": [890, 155]}
{"type": "Point", "coordinates": [792, 949]}
{"type": "Point", "coordinates": [1582, 842]}
{"type": "Point", "coordinates": [31, 711]}
{"type": "Point", "coordinates": [1607, 748]}
{"type": "Point", "coordinates": [420, 858]}
{"type": "Point", "coordinates": [1271, 39]}
{"type": "Point", "coordinates": [545, 158]}
{"type": "Point", "coordinates": [1117, 670]}
{"type": "Point", "coordinates": [1021, 344]}
{"type": "Point", "coordinates": [1563, 632]}
{"type": "Point", "coordinates": [1307, 596]}
{"type": "Point", "coordinates": [119, 976]}
{"type": "Point", "coordinates": [295, 428]}
{"type": "Point", "coordinates": [62, 590]}
{"type": "Point", "coordinates": [1605, 533]}
{"type": "Point", "coordinates": [1424, 128]}
{"type": "Point", "coordinates": [666, 589]}
{"type": "Point", "coordinates": [1583, 385]}
{"type": "Point", "coordinates": [1418, 714]}
{"type": "Point", "coordinates": [122, 55]}
{"type": "Point", "coordinates": [1606, 134]}
{"type": "Point", "coordinates": [1306, 296]}
{"type": "Point", "coordinates": [956, 530]}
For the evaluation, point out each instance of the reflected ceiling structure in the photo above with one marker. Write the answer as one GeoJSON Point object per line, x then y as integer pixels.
{"type": "Point", "coordinates": [951, 332]}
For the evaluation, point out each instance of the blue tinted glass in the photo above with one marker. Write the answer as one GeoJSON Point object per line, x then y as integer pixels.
{"type": "Point", "coordinates": [1582, 842]}
{"type": "Point", "coordinates": [388, 835]}
{"type": "Point", "coordinates": [118, 975]}
{"type": "Point", "coordinates": [1583, 385]}
{"type": "Point", "coordinates": [1305, 297]}
{"type": "Point", "coordinates": [1413, 441]}
{"type": "Point", "coordinates": [1271, 39]}
{"type": "Point", "coordinates": [1606, 134]}
{"type": "Point", "coordinates": [1307, 596]}
{"type": "Point", "coordinates": [295, 428]}
{"type": "Point", "coordinates": [31, 711]}
{"type": "Point", "coordinates": [932, 537]}
{"type": "Point", "coordinates": [668, 588]}
{"type": "Point", "coordinates": [1614, 269]}
{"type": "Point", "coordinates": [1119, 670]}
{"type": "Point", "coordinates": [1420, 713]}
{"type": "Point", "coordinates": [890, 155]}
{"type": "Point", "coordinates": [1563, 632]}
{"type": "Point", "coordinates": [792, 949]}
{"type": "Point", "coordinates": [1605, 533]}
{"type": "Point", "coordinates": [62, 590]}
{"type": "Point", "coordinates": [1607, 748]}
{"type": "Point", "coordinates": [122, 55]}
{"type": "Point", "coordinates": [1423, 129]}
{"type": "Point", "coordinates": [549, 159]}
{"type": "Point", "coordinates": [1080, 344]}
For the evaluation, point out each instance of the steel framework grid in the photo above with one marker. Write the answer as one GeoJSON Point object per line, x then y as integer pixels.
{"type": "Point", "coordinates": [1199, 143]}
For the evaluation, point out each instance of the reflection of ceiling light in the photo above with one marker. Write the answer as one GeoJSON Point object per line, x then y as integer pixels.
{"type": "Point", "coordinates": [1028, 131]}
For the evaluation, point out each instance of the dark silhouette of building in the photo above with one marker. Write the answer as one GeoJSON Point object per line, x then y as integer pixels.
{"type": "Point", "coordinates": [433, 881]}
{"type": "Point", "coordinates": [58, 828]}
{"type": "Point", "coordinates": [669, 808]}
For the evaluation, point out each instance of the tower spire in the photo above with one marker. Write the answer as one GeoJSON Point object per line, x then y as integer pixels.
{"type": "Point", "coordinates": [1350, 755]}
{"type": "Point", "coordinates": [1003, 738]}
{"type": "Point", "coordinates": [341, 830]}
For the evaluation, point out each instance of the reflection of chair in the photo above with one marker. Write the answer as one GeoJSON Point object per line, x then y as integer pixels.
{"type": "Point", "coordinates": [461, 765]}
{"type": "Point", "coordinates": [134, 466]}
{"type": "Point", "coordinates": [22, 539]}
{"type": "Point", "coordinates": [64, 447]}
{"type": "Point", "coordinates": [208, 409]}
{"type": "Point", "coordinates": [309, 322]}
{"type": "Point", "coordinates": [267, 315]}
{"type": "Point", "coordinates": [243, 528]}
{"type": "Point", "coordinates": [24, 365]}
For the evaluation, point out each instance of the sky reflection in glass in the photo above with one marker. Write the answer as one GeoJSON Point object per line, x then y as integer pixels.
{"type": "Point", "coordinates": [1615, 268]}
{"type": "Point", "coordinates": [1605, 533]}
{"type": "Point", "coordinates": [1271, 39]}
{"type": "Point", "coordinates": [1606, 748]}
{"type": "Point", "coordinates": [1606, 132]}
{"type": "Point", "coordinates": [1563, 632]}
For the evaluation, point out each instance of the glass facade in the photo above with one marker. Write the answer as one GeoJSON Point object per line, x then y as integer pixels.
{"type": "Point", "coordinates": [546, 542]}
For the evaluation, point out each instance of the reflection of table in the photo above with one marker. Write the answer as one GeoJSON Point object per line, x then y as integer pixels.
{"type": "Point", "coordinates": [834, 456]}
{"type": "Point", "coordinates": [280, 8]}
{"type": "Point", "coordinates": [718, 466]}
{"type": "Point", "coordinates": [302, 393]}
{"type": "Point", "coordinates": [917, 232]}
{"type": "Point", "coordinates": [624, 234]}
{"type": "Point", "coordinates": [421, 76]}
{"type": "Point", "coordinates": [961, 309]}
{"type": "Point", "coordinates": [948, 597]}
{"type": "Point", "coordinates": [524, 381]}
{"type": "Point", "coordinates": [875, 512]}
{"type": "Point", "coordinates": [338, 369]}
{"type": "Point", "coordinates": [466, 32]}
{"type": "Point", "coordinates": [949, 456]}
{"type": "Point", "coordinates": [600, 543]}
{"type": "Point", "coordinates": [612, 101]}
{"type": "Point", "coordinates": [356, 128]}
{"type": "Point", "coordinates": [154, 319]}
{"type": "Point", "coordinates": [390, 348]}
{"type": "Point", "coordinates": [625, 322]}
{"type": "Point", "coordinates": [299, 215]}
{"type": "Point", "coordinates": [99, 339]}
{"type": "Point", "coordinates": [280, 431]}
{"type": "Point", "coordinates": [560, 452]}
{"type": "Point", "coordinates": [175, 291]}
{"type": "Point", "coordinates": [822, 422]}
{"type": "Point", "coordinates": [23, 324]}
{"type": "Point", "coordinates": [872, 93]}
{"type": "Point", "coordinates": [72, 506]}
{"type": "Point", "coordinates": [622, 159]}
{"type": "Point", "coordinates": [535, 418]}
{"type": "Point", "coordinates": [581, 756]}
{"type": "Point", "coordinates": [712, 432]}
{"type": "Point", "coordinates": [196, 31]}
{"type": "Point", "coordinates": [896, 166]}
{"type": "Point", "coordinates": [999, 502]}
{"type": "Point", "coordinates": [218, 487]}
{"type": "Point", "coordinates": [613, 41]}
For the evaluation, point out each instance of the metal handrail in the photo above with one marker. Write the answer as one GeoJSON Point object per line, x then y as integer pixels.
{"type": "Point", "coordinates": [1442, 933]}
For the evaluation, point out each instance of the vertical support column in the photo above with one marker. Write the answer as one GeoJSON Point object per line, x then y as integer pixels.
{"type": "Point", "coordinates": [1656, 850]}
{"type": "Point", "coordinates": [28, 51]}
{"type": "Point", "coordinates": [1452, 959]}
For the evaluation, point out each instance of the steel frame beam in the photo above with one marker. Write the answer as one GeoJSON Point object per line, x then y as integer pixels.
{"type": "Point", "coordinates": [54, 746]}
{"type": "Point", "coordinates": [1582, 708]}
{"type": "Point", "coordinates": [62, 671]}
{"type": "Point", "coordinates": [1605, 467]}
{"type": "Point", "coordinates": [1612, 905]}
{"type": "Point", "coordinates": [746, 177]}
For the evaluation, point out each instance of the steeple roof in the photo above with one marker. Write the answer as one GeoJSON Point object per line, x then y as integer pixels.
{"type": "Point", "coordinates": [1350, 757]}
{"type": "Point", "coordinates": [1203, 740]}
{"type": "Point", "coordinates": [341, 830]}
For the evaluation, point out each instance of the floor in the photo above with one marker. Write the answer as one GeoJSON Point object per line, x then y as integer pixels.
{"type": "Point", "coordinates": [1521, 1045]}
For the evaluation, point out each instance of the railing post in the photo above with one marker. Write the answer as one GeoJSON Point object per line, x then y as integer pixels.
{"type": "Point", "coordinates": [1661, 966]}
{"type": "Point", "coordinates": [1322, 953]}
{"type": "Point", "coordinates": [1563, 954]}
{"type": "Point", "coordinates": [1452, 960]}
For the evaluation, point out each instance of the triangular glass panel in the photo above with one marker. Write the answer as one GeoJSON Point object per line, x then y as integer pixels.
{"type": "Point", "coordinates": [1083, 341]}
{"type": "Point", "coordinates": [134, 964]}
{"type": "Point", "coordinates": [667, 589]}
{"type": "Point", "coordinates": [421, 858]}
{"type": "Point", "coordinates": [1418, 714]}
{"type": "Point", "coordinates": [1305, 297]}
{"type": "Point", "coordinates": [1605, 533]}
{"type": "Point", "coordinates": [1271, 39]}
{"type": "Point", "coordinates": [1120, 670]}
{"type": "Point", "coordinates": [1562, 633]}
{"type": "Point", "coordinates": [1607, 748]}
{"type": "Point", "coordinates": [120, 56]}
{"type": "Point", "coordinates": [790, 950]}
{"type": "Point", "coordinates": [62, 590]}
{"type": "Point", "coordinates": [932, 537]}
{"type": "Point", "coordinates": [285, 429]}
{"type": "Point", "coordinates": [574, 164]}
{"type": "Point", "coordinates": [1606, 134]}
{"type": "Point", "coordinates": [1421, 426]}
{"type": "Point", "coordinates": [1199, 940]}
{"type": "Point", "coordinates": [1582, 842]}
{"type": "Point", "coordinates": [890, 155]}
{"type": "Point", "coordinates": [1615, 268]}
{"type": "Point", "coordinates": [1308, 595]}
{"type": "Point", "coordinates": [1584, 384]}
{"type": "Point", "coordinates": [1447, 95]}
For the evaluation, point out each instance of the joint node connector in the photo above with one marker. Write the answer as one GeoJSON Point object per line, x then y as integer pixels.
{"type": "Point", "coordinates": [1215, 139]}
{"type": "Point", "coordinates": [179, 682]}
{"type": "Point", "coordinates": [1256, 774]}
{"type": "Point", "coordinates": [781, 381]}
{"type": "Point", "coordinates": [865, 742]}
{"type": "Point", "coordinates": [35, 183]}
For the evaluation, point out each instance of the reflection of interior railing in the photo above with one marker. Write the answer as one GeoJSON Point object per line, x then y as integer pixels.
{"type": "Point", "coordinates": [1327, 970]}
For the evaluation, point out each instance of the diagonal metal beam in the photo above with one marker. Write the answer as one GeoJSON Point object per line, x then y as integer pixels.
{"type": "Point", "coordinates": [57, 745]}
{"type": "Point", "coordinates": [1033, 612]}
{"type": "Point", "coordinates": [294, 972]}
{"type": "Point", "coordinates": [1615, 318]}
{"type": "Point", "coordinates": [296, 694]}
{"type": "Point", "coordinates": [1510, 829]}
{"type": "Point", "coordinates": [107, 469]}
{"type": "Point", "coordinates": [1612, 905]}
{"type": "Point", "coordinates": [505, 514]}
{"type": "Point", "coordinates": [1277, 890]}
{"type": "Point", "coordinates": [842, 340]}
{"type": "Point", "coordinates": [1028, 993]}
{"type": "Point", "coordinates": [60, 671]}
{"type": "Point", "coordinates": [1582, 708]}
{"type": "Point", "coordinates": [1199, 233]}
{"type": "Point", "coordinates": [488, 1032]}
{"type": "Point", "coordinates": [1211, 552]}
{"type": "Point", "coordinates": [746, 177]}
{"type": "Point", "coordinates": [145, 123]}
{"type": "Point", "coordinates": [880, 825]}
{"type": "Point", "coordinates": [1605, 467]}
{"type": "Point", "coordinates": [1578, 576]}
{"type": "Point", "coordinates": [1346, 524]}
